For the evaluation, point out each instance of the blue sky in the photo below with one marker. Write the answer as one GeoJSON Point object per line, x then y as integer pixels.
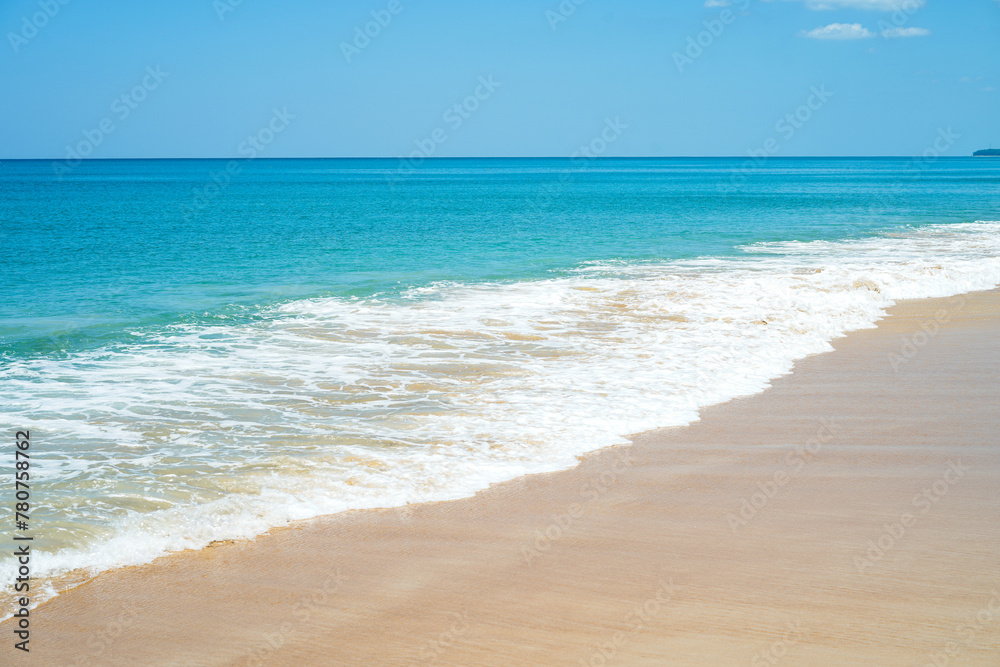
{"type": "Point", "coordinates": [198, 78]}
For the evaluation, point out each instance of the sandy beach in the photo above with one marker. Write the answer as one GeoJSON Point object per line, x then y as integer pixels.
{"type": "Point", "coordinates": [849, 515]}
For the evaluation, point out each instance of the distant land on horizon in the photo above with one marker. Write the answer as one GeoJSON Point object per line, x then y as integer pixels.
{"type": "Point", "coordinates": [987, 152]}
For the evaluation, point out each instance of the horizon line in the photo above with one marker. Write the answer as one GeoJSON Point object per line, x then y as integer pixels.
{"type": "Point", "coordinates": [508, 157]}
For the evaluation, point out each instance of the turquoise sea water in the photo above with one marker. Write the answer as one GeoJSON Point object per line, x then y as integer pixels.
{"type": "Point", "coordinates": [202, 355]}
{"type": "Point", "coordinates": [126, 243]}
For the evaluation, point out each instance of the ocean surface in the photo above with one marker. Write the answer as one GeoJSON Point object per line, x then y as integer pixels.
{"type": "Point", "coordinates": [203, 355]}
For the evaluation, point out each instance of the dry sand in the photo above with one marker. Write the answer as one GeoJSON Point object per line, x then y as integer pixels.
{"type": "Point", "coordinates": [869, 535]}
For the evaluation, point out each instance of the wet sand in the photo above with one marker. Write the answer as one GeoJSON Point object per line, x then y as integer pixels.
{"type": "Point", "coordinates": [849, 515]}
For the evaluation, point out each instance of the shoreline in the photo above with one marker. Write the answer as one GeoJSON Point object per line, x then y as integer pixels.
{"type": "Point", "coordinates": [706, 544]}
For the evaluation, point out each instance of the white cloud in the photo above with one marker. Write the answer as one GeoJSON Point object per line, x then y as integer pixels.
{"type": "Point", "coordinates": [905, 32]}
{"type": "Point", "coordinates": [909, 6]}
{"type": "Point", "coordinates": [840, 31]}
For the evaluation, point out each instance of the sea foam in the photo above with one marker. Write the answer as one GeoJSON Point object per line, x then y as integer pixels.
{"type": "Point", "coordinates": [198, 433]}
